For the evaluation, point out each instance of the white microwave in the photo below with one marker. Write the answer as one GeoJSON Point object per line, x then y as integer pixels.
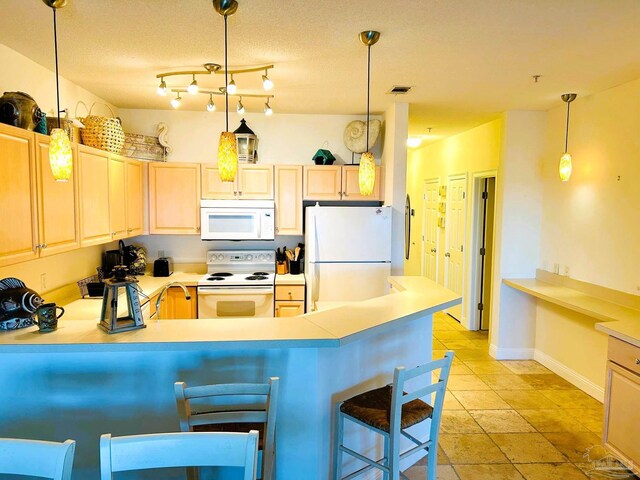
{"type": "Point", "coordinates": [237, 219]}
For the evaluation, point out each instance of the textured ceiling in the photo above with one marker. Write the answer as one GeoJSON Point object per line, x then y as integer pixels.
{"type": "Point", "coordinates": [468, 60]}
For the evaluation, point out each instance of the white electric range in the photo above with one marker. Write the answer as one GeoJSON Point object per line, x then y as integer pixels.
{"type": "Point", "coordinates": [238, 283]}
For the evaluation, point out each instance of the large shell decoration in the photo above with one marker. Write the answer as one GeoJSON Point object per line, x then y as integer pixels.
{"type": "Point", "coordinates": [355, 135]}
{"type": "Point", "coordinates": [17, 304]}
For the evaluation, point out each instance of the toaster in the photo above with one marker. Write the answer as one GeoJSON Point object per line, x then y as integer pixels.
{"type": "Point", "coordinates": [162, 267]}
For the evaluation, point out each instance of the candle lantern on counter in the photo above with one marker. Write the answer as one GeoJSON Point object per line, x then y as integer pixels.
{"type": "Point", "coordinates": [246, 141]}
{"type": "Point", "coordinates": [109, 320]}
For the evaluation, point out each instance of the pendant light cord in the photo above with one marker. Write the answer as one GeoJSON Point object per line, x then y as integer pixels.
{"type": "Point", "coordinates": [55, 46]}
{"type": "Point", "coordinates": [368, 91]}
{"type": "Point", "coordinates": [566, 133]}
{"type": "Point", "coordinates": [226, 83]}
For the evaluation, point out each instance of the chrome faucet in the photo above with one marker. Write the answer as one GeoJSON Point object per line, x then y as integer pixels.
{"type": "Point", "coordinates": [187, 295]}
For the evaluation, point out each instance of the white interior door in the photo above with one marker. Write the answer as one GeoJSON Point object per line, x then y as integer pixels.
{"type": "Point", "coordinates": [430, 230]}
{"type": "Point", "coordinates": [455, 236]}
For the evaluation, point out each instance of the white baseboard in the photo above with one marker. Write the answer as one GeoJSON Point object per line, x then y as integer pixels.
{"type": "Point", "coordinates": [570, 375]}
{"type": "Point", "coordinates": [510, 353]}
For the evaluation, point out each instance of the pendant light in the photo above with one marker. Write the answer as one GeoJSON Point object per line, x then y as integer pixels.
{"type": "Point", "coordinates": [227, 148]}
{"type": "Point", "coordinates": [60, 156]}
{"type": "Point", "coordinates": [565, 167]}
{"type": "Point", "coordinates": [367, 169]}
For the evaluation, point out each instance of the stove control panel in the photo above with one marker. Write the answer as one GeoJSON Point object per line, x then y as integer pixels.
{"type": "Point", "coordinates": [216, 257]}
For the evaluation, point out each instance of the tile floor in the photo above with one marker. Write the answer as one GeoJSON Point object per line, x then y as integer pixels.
{"type": "Point", "coordinates": [509, 420]}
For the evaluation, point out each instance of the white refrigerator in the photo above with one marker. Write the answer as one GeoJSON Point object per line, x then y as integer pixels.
{"type": "Point", "coordinates": [348, 253]}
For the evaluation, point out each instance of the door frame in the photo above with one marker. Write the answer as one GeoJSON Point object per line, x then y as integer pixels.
{"type": "Point", "coordinates": [458, 176]}
{"type": "Point", "coordinates": [423, 266]}
{"type": "Point", "coordinates": [473, 282]}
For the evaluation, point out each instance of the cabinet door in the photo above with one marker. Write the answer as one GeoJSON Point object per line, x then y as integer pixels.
{"type": "Point", "coordinates": [18, 228]}
{"type": "Point", "coordinates": [288, 199]}
{"type": "Point", "coordinates": [59, 215]}
{"type": "Point", "coordinates": [322, 182]}
{"type": "Point", "coordinates": [289, 309]}
{"type": "Point", "coordinates": [135, 197]}
{"type": "Point", "coordinates": [255, 182]}
{"type": "Point", "coordinates": [351, 187]}
{"type": "Point", "coordinates": [213, 187]}
{"type": "Point", "coordinates": [117, 198]}
{"type": "Point", "coordinates": [93, 170]}
{"type": "Point", "coordinates": [622, 416]}
{"type": "Point", "coordinates": [175, 305]}
{"type": "Point", "coordinates": [174, 198]}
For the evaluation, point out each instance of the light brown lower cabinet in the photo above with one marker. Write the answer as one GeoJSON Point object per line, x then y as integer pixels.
{"type": "Point", "coordinates": [622, 403]}
{"type": "Point", "coordinates": [175, 306]}
{"type": "Point", "coordinates": [289, 309]}
{"type": "Point", "coordinates": [289, 300]}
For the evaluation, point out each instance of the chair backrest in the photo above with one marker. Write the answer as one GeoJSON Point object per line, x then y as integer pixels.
{"type": "Point", "coordinates": [37, 458]}
{"type": "Point", "coordinates": [232, 403]}
{"type": "Point", "coordinates": [435, 390]}
{"type": "Point", "coordinates": [182, 449]}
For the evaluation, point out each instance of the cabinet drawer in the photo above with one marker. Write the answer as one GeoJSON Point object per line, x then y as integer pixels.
{"type": "Point", "coordinates": [624, 354]}
{"type": "Point", "coordinates": [290, 292]}
{"type": "Point", "coordinates": [289, 309]}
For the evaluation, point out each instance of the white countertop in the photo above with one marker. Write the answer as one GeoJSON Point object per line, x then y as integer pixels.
{"type": "Point", "coordinates": [417, 296]}
{"type": "Point", "coordinates": [288, 279]}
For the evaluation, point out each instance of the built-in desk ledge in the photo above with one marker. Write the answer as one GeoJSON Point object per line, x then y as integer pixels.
{"type": "Point", "coordinates": [619, 311]}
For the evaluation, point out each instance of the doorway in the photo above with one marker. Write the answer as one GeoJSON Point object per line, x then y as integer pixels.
{"type": "Point", "coordinates": [430, 229]}
{"type": "Point", "coordinates": [455, 223]}
{"type": "Point", "coordinates": [484, 203]}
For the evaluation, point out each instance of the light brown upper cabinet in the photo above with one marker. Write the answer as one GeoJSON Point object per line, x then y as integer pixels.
{"type": "Point", "coordinates": [351, 187]}
{"type": "Point", "coordinates": [135, 197]}
{"type": "Point", "coordinates": [59, 214]}
{"type": "Point", "coordinates": [93, 171]}
{"type": "Point", "coordinates": [18, 228]}
{"type": "Point", "coordinates": [288, 180]}
{"type": "Point", "coordinates": [322, 182]}
{"type": "Point", "coordinates": [117, 197]}
{"type": "Point", "coordinates": [174, 198]}
{"type": "Point", "coordinates": [338, 182]}
{"type": "Point", "coordinates": [253, 182]}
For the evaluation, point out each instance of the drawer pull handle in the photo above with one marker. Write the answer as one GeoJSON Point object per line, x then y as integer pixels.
{"type": "Point", "coordinates": [637, 361]}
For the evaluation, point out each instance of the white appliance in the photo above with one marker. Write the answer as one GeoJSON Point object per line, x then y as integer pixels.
{"type": "Point", "coordinates": [237, 219]}
{"type": "Point", "coordinates": [348, 253]}
{"type": "Point", "coordinates": [239, 283]}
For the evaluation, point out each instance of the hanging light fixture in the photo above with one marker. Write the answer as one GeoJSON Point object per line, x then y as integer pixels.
{"type": "Point", "coordinates": [227, 148]}
{"type": "Point", "coordinates": [367, 169]}
{"type": "Point", "coordinates": [565, 167]}
{"type": "Point", "coordinates": [240, 107]}
{"type": "Point", "coordinates": [162, 88]}
{"type": "Point", "coordinates": [232, 85]}
{"type": "Point", "coordinates": [193, 86]}
{"type": "Point", "coordinates": [267, 84]}
{"type": "Point", "coordinates": [175, 102]}
{"type": "Point", "coordinates": [60, 156]}
{"type": "Point", "coordinates": [211, 107]}
{"type": "Point", "coordinates": [268, 111]}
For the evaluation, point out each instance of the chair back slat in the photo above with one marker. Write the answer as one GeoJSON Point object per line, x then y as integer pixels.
{"type": "Point", "coordinates": [250, 416]}
{"type": "Point", "coordinates": [426, 368]}
{"type": "Point", "coordinates": [184, 449]}
{"type": "Point", "coordinates": [227, 389]}
{"type": "Point", "coordinates": [424, 391]}
{"type": "Point", "coordinates": [37, 458]}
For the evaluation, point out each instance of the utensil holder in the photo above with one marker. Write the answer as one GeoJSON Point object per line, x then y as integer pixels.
{"type": "Point", "coordinates": [294, 267]}
{"type": "Point", "coordinates": [282, 268]}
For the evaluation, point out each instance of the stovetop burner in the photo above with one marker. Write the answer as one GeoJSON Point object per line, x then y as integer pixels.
{"type": "Point", "coordinates": [222, 274]}
{"type": "Point", "coordinates": [262, 274]}
{"type": "Point", "coordinates": [256, 277]}
{"type": "Point", "coordinates": [215, 279]}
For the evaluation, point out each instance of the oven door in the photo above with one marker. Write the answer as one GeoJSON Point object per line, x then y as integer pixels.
{"type": "Point", "coordinates": [230, 224]}
{"type": "Point", "coordinates": [224, 302]}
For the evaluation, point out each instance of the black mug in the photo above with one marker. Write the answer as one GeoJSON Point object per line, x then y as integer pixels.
{"type": "Point", "coordinates": [47, 319]}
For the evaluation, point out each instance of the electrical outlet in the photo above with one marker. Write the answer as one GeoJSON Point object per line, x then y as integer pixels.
{"type": "Point", "coordinates": [566, 270]}
{"type": "Point", "coordinates": [43, 281]}
{"type": "Point", "coordinates": [556, 268]}
{"type": "Point", "coordinates": [160, 253]}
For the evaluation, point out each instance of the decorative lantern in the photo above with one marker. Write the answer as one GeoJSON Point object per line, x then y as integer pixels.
{"type": "Point", "coordinates": [246, 141]}
{"type": "Point", "coordinates": [109, 320]}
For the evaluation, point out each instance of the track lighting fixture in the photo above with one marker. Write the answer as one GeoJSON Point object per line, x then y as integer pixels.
{"type": "Point", "coordinates": [193, 86]}
{"type": "Point", "coordinates": [211, 107]}
{"type": "Point", "coordinates": [231, 88]}
{"type": "Point", "coordinates": [162, 88]}
{"type": "Point", "coordinates": [268, 111]}
{"type": "Point", "coordinates": [267, 84]}
{"type": "Point", "coordinates": [175, 102]}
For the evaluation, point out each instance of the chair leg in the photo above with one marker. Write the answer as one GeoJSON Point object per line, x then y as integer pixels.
{"type": "Point", "coordinates": [394, 456]}
{"type": "Point", "coordinates": [385, 475]}
{"type": "Point", "coordinates": [337, 441]}
{"type": "Point", "coordinates": [432, 461]}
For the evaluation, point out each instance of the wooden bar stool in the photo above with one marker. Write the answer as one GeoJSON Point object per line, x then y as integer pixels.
{"type": "Point", "coordinates": [389, 411]}
{"type": "Point", "coordinates": [232, 407]}
{"type": "Point", "coordinates": [36, 458]}
{"type": "Point", "coordinates": [183, 449]}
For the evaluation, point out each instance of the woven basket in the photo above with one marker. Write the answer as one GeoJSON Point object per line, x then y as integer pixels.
{"type": "Point", "coordinates": [102, 132]}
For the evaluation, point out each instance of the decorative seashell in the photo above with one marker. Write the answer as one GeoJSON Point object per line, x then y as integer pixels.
{"type": "Point", "coordinates": [355, 135]}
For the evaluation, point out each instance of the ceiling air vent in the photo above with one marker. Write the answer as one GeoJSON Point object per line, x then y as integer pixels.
{"type": "Point", "coordinates": [399, 90]}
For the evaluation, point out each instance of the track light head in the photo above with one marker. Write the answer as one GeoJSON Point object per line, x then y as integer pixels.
{"type": "Point", "coordinates": [162, 88]}
{"type": "Point", "coordinates": [232, 88]}
{"type": "Point", "coordinates": [211, 107]}
{"type": "Point", "coordinates": [193, 86]}
{"type": "Point", "coordinates": [175, 102]}
{"type": "Point", "coordinates": [268, 111]}
{"type": "Point", "coordinates": [267, 83]}
{"type": "Point", "coordinates": [240, 107]}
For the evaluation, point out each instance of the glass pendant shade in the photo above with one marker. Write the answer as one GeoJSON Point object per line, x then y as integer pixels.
{"type": "Point", "coordinates": [366, 174]}
{"type": "Point", "coordinates": [60, 156]}
{"type": "Point", "coordinates": [227, 157]}
{"type": "Point", "coordinates": [564, 168]}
